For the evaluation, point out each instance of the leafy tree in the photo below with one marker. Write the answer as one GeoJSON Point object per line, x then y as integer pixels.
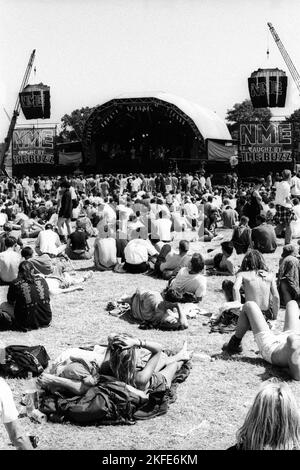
{"type": "Point", "coordinates": [73, 124]}
{"type": "Point", "coordinates": [245, 112]}
{"type": "Point", "coordinates": [294, 118]}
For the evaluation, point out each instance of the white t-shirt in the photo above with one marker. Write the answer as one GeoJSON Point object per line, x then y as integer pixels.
{"type": "Point", "coordinates": [8, 410]}
{"type": "Point", "coordinates": [191, 210]}
{"type": "Point", "coordinates": [283, 191]}
{"type": "Point", "coordinates": [9, 265]}
{"type": "Point", "coordinates": [163, 229]}
{"type": "Point", "coordinates": [186, 282]}
{"type": "Point", "coordinates": [107, 251]}
{"type": "Point", "coordinates": [48, 242]}
{"type": "Point", "coordinates": [3, 218]}
{"type": "Point", "coordinates": [138, 250]}
{"type": "Point", "coordinates": [295, 181]}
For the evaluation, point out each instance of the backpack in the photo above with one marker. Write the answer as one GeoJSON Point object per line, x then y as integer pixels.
{"type": "Point", "coordinates": [110, 402]}
{"type": "Point", "coordinates": [20, 359]}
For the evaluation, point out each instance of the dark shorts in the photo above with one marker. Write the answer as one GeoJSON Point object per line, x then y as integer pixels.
{"type": "Point", "coordinates": [136, 268]}
{"type": "Point", "coordinates": [158, 383]}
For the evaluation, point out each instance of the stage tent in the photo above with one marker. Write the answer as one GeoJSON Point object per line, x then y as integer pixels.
{"type": "Point", "coordinates": [203, 123]}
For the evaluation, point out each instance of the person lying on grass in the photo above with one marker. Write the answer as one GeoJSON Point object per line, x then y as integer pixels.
{"type": "Point", "coordinates": [281, 349]}
{"type": "Point", "coordinates": [59, 282]}
{"type": "Point", "coordinates": [272, 422]}
{"type": "Point", "coordinates": [121, 359]}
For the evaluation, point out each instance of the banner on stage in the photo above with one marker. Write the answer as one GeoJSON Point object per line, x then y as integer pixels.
{"type": "Point", "coordinates": [33, 146]}
{"type": "Point", "coordinates": [265, 142]}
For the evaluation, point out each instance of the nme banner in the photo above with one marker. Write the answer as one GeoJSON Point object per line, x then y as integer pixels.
{"type": "Point", "coordinates": [265, 142]}
{"type": "Point", "coordinates": [33, 145]}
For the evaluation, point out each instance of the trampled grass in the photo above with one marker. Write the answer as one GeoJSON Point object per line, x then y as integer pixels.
{"type": "Point", "coordinates": [211, 404]}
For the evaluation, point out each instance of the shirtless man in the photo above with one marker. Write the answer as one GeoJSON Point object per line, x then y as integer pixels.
{"type": "Point", "coordinates": [281, 349]}
{"type": "Point", "coordinates": [259, 285]}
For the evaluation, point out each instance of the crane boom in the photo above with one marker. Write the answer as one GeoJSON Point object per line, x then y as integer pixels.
{"type": "Point", "coordinates": [16, 112]}
{"type": "Point", "coordinates": [286, 57]}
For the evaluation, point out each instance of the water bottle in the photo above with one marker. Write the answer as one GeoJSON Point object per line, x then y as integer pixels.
{"type": "Point", "coordinates": [31, 395]}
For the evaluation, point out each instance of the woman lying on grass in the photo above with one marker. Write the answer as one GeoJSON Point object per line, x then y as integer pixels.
{"type": "Point", "coordinates": [272, 422]}
{"type": "Point", "coordinates": [123, 360]}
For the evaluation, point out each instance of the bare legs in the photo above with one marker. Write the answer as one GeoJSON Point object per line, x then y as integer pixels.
{"type": "Point", "coordinates": [252, 318]}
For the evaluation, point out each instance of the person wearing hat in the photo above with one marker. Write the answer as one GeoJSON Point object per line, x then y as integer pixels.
{"type": "Point", "coordinates": [288, 275]}
{"type": "Point", "coordinates": [77, 246]}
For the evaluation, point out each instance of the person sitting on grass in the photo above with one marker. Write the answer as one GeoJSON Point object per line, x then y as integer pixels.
{"type": "Point", "coordinates": [48, 242]}
{"type": "Point", "coordinates": [189, 280]}
{"type": "Point", "coordinates": [77, 245]}
{"type": "Point", "coordinates": [31, 228]}
{"type": "Point", "coordinates": [289, 274]}
{"type": "Point", "coordinates": [28, 302]}
{"type": "Point", "coordinates": [9, 261]}
{"type": "Point", "coordinates": [272, 422]}
{"type": "Point", "coordinates": [59, 281]}
{"type": "Point", "coordinates": [175, 261]}
{"type": "Point", "coordinates": [241, 236]}
{"type": "Point", "coordinates": [8, 232]}
{"type": "Point", "coordinates": [264, 236]}
{"type": "Point", "coordinates": [283, 349]}
{"type": "Point", "coordinates": [223, 263]}
{"type": "Point", "coordinates": [123, 360]}
{"type": "Point", "coordinates": [258, 284]}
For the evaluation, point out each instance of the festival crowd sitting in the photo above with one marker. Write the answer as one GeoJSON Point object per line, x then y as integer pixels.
{"type": "Point", "coordinates": [132, 224]}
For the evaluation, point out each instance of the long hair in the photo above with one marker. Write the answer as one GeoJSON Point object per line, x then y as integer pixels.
{"type": "Point", "coordinates": [272, 422]}
{"type": "Point", "coordinates": [253, 261]}
{"type": "Point", "coordinates": [26, 272]}
{"type": "Point", "coordinates": [122, 361]}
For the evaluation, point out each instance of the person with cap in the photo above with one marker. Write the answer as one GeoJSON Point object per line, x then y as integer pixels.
{"type": "Point", "coordinates": [288, 278]}
{"type": "Point", "coordinates": [77, 246]}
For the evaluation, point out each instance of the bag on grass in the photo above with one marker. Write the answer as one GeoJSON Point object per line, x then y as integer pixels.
{"type": "Point", "coordinates": [110, 402]}
{"type": "Point", "coordinates": [18, 360]}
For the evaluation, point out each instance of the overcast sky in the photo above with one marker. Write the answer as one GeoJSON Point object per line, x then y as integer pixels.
{"type": "Point", "coordinates": [91, 50]}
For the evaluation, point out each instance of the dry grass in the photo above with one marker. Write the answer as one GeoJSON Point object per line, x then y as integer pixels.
{"type": "Point", "coordinates": [217, 391]}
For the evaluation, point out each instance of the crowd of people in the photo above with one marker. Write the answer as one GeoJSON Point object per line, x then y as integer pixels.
{"type": "Point", "coordinates": [131, 224]}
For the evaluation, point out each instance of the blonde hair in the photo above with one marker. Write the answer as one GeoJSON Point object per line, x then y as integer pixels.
{"type": "Point", "coordinates": [122, 361]}
{"type": "Point", "coordinates": [273, 421]}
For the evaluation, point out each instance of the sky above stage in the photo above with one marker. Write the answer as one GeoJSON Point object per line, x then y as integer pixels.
{"type": "Point", "coordinates": [89, 51]}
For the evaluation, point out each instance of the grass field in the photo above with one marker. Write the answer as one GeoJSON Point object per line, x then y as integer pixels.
{"type": "Point", "coordinates": [211, 403]}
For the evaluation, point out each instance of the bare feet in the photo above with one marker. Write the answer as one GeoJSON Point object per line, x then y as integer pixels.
{"type": "Point", "coordinates": [184, 354]}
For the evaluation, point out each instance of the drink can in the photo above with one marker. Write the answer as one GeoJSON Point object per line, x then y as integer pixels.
{"type": "Point", "coordinates": [38, 416]}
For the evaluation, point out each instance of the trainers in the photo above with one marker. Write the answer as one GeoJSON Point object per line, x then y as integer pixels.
{"type": "Point", "coordinates": [232, 347]}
